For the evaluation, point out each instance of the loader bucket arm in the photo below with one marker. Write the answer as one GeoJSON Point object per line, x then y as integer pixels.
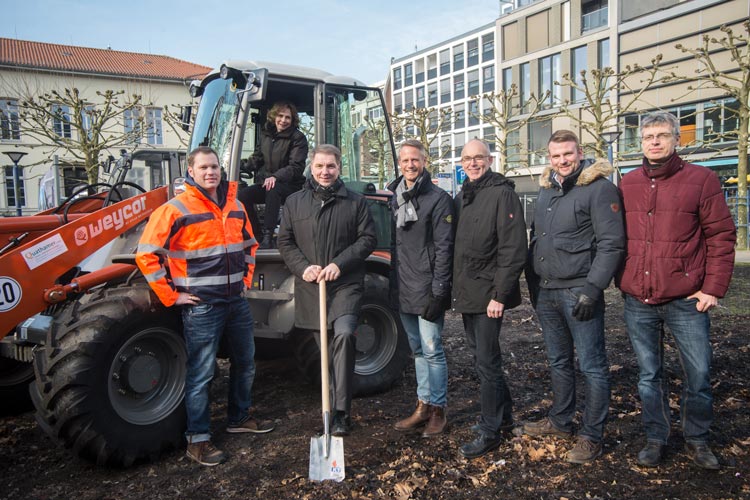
{"type": "Point", "coordinates": [29, 272]}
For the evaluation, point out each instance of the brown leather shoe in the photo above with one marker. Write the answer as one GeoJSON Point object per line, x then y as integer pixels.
{"type": "Point", "coordinates": [437, 423]}
{"type": "Point", "coordinates": [415, 420]}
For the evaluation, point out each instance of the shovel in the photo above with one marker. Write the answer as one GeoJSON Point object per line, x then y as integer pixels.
{"type": "Point", "coordinates": [326, 451]}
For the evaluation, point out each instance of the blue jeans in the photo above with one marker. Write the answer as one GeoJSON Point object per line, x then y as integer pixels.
{"type": "Point", "coordinates": [562, 335]}
{"type": "Point", "coordinates": [204, 324]}
{"type": "Point", "coordinates": [690, 329]}
{"type": "Point", "coordinates": [426, 342]}
{"type": "Point", "coordinates": [483, 338]}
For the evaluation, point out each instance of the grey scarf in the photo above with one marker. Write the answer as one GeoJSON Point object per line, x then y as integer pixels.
{"type": "Point", "coordinates": [406, 211]}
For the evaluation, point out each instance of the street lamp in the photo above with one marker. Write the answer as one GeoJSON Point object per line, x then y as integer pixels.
{"type": "Point", "coordinates": [15, 157]}
{"type": "Point", "coordinates": [610, 138]}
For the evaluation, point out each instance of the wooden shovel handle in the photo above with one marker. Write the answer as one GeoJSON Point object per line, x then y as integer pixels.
{"type": "Point", "coordinates": [324, 383]}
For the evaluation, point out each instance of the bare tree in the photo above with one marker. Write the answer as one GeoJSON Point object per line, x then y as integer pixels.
{"type": "Point", "coordinates": [508, 115]}
{"type": "Point", "coordinates": [377, 145]}
{"type": "Point", "coordinates": [424, 125]}
{"type": "Point", "coordinates": [173, 117]}
{"type": "Point", "coordinates": [715, 71]}
{"type": "Point", "coordinates": [598, 107]}
{"type": "Point", "coordinates": [82, 128]}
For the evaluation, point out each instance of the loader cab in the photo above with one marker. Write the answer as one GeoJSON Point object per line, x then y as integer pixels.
{"type": "Point", "coordinates": [234, 105]}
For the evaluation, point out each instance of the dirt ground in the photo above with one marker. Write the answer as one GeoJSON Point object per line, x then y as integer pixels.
{"type": "Point", "coordinates": [382, 463]}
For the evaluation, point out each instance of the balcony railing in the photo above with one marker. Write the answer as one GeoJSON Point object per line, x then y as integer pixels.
{"type": "Point", "coordinates": [594, 19]}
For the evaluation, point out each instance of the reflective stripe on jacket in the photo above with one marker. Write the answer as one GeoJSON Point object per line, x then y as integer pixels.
{"type": "Point", "coordinates": [192, 245]}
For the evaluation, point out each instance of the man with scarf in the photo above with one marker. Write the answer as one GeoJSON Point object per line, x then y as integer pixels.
{"type": "Point", "coordinates": [681, 240]}
{"type": "Point", "coordinates": [326, 233]}
{"type": "Point", "coordinates": [422, 258]}
{"type": "Point", "coordinates": [578, 242]}
{"type": "Point", "coordinates": [198, 251]}
{"type": "Point", "coordinates": [490, 252]}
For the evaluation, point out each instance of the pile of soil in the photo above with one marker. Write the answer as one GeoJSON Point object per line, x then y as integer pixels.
{"type": "Point", "coordinates": [382, 463]}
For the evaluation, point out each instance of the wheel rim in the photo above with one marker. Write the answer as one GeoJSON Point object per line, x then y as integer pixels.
{"type": "Point", "coordinates": [377, 340]}
{"type": "Point", "coordinates": [147, 376]}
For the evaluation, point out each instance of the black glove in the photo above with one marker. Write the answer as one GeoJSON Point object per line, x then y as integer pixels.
{"type": "Point", "coordinates": [584, 308]}
{"type": "Point", "coordinates": [435, 307]}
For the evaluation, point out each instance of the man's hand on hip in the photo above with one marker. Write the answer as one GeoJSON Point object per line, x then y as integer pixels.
{"type": "Point", "coordinates": [705, 301]}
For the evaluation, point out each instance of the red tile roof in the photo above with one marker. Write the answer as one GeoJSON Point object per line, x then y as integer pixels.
{"type": "Point", "coordinates": [22, 53]}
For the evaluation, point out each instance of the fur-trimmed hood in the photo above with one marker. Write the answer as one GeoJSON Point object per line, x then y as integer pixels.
{"type": "Point", "coordinates": [588, 173]}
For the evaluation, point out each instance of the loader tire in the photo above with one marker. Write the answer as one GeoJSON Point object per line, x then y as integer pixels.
{"type": "Point", "coordinates": [15, 377]}
{"type": "Point", "coordinates": [382, 350]}
{"type": "Point", "coordinates": [110, 380]}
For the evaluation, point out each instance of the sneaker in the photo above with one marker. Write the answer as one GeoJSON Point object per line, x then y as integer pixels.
{"type": "Point", "coordinates": [250, 425]}
{"type": "Point", "coordinates": [342, 424]}
{"type": "Point", "coordinates": [584, 451]}
{"type": "Point", "coordinates": [205, 453]}
{"type": "Point", "coordinates": [651, 454]}
{"type": "Point", "coordinates": [702, 456]}
{"type": "Point", "coordinates": [544, 427]}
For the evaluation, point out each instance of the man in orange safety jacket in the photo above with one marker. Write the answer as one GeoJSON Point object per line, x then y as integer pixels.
{"type": "Point", "coordinates": [198, 252]}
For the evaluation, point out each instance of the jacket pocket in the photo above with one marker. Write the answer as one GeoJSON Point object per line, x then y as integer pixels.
{"type": "Point", "coordinates": [572, 257]}
{"type": "Point", "coordinates": [480, 266]}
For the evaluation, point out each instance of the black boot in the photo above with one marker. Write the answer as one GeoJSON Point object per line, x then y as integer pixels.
{"type": "Point", "coordinates": [267, 241]}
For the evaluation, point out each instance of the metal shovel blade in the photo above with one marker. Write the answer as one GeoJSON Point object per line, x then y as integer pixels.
{"type": "Point", "coordinates": [326, 451]}
{"type": "Point", "coordinates": [324, 468]}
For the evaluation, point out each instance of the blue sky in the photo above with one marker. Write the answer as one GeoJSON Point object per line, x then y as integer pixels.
{"type": "Point", "coordinates": [351, 38]}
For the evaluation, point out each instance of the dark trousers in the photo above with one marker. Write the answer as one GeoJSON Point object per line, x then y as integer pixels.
{"type": "Point", "coordinates": [483, 337]}
{"type": "Point", "coordinates": [341, 361]}
{"type": "Point", "coordinates": [273, 198]}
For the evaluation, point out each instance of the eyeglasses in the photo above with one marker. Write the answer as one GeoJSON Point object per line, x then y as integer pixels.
{"type": "Point", "coordinates": [476, 158]}
{"type": "Point", "coordinates": [662, 137]}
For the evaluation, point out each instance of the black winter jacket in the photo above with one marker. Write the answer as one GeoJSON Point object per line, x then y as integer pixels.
{"type": "Point", "coordinates": [578, 237]}
{"type": "Point", "coordinates": [283, 156]}
{"type": "Point", "coordinates": [339, 230]}
{"type": "Point", "coordinates": [423, 252]}
{"type": "Point", "coordinates": [490, 247]}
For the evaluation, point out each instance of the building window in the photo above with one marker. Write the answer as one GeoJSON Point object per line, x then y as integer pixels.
{"type": "Point", "coordinates": [603, 54]}
{"type": "Point", "coordinates": [593, 14]}
{"type": "Point", "coordinates": [408, 75]}
{"type": "Point", "coordinates": [432, 121]}
{"type": "Point", "coordinates": [489, 137]}
{"type": "Point", "coordinates": [525, 87]}
{"type": "Point", "coordinates": [445, 62]}
{"type": "Point", "coordinates": [578, 64]}
{"type": "Point", "coordinates": [431, 66]}
{"type": "Point", "coordinates": [507, 79]}
{"type": "Point", "coordinates": [630, 141]}
{"type": "Point", "coordinates": [488, 79]}
{"type": "Point", "coordinates": [61, 121]}
{"type": "Point", "coordinates": [396, 78]}
{"type": "Point", "coordinates": [419, 68]}
{"type": "Point", "coordinates": [472, 47]}
{"type": "Point", "coordinates": [10, 125]}
{"type": "Point", "coordinates": [132, 119]}
{"type": "Point", "coordinates": [10, 193]}
{"type": "Point", "coordinates": [408, 100]}
{"type": "Point", "coordinates": [445, 90]}
{"type": "Point", "coordinates": [432, 95]}
{"type": "Point", "coordinates": [539, 133]}
{"type": "Point", "coordinates": [74, 177]}
{"type": "Point", "coordinates": [488, 47]}
{"type": "Point", "coordinates": [87, 116]}
{"type": "Point", "coordinates": [458, 57]}
{"type": "Point", "coordinates": [549, 72]}
{"type": "Point", "coordinates": [721, 121]}
{"type": "Point", "coordinates": [688, 117]}
{"type": "Point", "coordinates": [459, 140]}
{"type": "Point", "coordinates": [420, 97]}
{"type": "Point", "coordinates": [473, 113]}
{"type": "Point", "coordinates": [154, 132]}
{"type": "Point", "coordinates": [459, 116]}
{"type": "Point", "coordinates": [458, 87]}
{"type": "Point", "coordinates": [375, 113]}
{"type": "Point", "coordinates": [446, 114]}
{"type": "Point", "coordinates": [473, 77]}
{"type": "Point", "coordinates": [398, 104]}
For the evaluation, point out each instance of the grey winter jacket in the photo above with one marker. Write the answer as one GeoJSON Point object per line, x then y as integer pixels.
{"type": "Point", "coordinates": [339, 230]}
{"type": "Point", "coordinates": [578, 236]}
{"type": "Point", "coordinates": [422, 255]}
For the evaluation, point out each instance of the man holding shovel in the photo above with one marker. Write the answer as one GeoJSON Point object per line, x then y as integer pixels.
{"type": "Point", "coordinates": [326, 234]}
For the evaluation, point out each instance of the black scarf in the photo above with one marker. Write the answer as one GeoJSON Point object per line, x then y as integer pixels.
{"type": "Point", "coordinates": [323, 193]}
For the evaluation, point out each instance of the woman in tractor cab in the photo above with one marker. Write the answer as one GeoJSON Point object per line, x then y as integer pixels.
{"type": "Point", "coordinates": [277, 166]}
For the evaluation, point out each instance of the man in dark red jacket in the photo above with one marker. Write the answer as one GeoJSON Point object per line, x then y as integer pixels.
{"type": "Point", "coordinates": [680, 256]}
